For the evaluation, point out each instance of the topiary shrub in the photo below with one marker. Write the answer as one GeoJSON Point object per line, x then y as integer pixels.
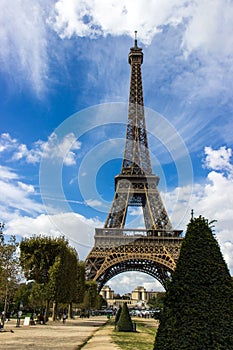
{"type": "Point", "coordinates": [198, 307]}
{"type": "Point", "coordinates": [118, 314]}
{"type": "Point", "coordinates": [125, 323]}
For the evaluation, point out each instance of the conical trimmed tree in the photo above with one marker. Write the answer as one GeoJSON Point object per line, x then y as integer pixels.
{"type": "Point", "coordinates": [198, 307]}
{"type": "Point", "coordinates": [118, 314]}
{"type": "Point", "coordinates": [125, 323]}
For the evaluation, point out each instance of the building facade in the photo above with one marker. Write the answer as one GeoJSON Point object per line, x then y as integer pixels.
{"type": "Point", "coordinates": [137, 298]}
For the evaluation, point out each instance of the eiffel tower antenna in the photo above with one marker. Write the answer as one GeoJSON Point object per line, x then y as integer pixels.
{"type": "Point", "coordinates": [155, 249]}
{"type": "Point", "coordinates": [135, 39]}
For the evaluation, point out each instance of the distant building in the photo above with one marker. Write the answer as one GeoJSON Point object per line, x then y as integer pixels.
{"type": "Point", "coordinates": [107, 293]}
{"type": "Point", "coordinates": [138, 297]}
{"type": "Point", "coordinates": [141, 295]}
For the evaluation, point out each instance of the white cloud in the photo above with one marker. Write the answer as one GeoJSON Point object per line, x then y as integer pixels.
{"type": "Point", "coordinates": [128, 281]}
{"type": "Point", "coordinates": [53, 149]}
{"type": "Point", "coordinates": [219, 159]}
{"type": "Point", "coordinates": [27, 188]}
{"type": "Point", "coordinates": [123, 17]}
{"type": "Point", "coordinates": [7, 143]}
{"type": "Point", "coordinates": [210, 199]}
{"type": "Point", "coordinates": [21, 152]}
{"type": "Point", "coordinates": [75, 227]}
{"type": "Point", "coordinates": [15, 195]}
{"type": "Point", "coordinates": [135, 211]}
{"type": "Point", "coordinates": [93, 202]}
{"type": "Point", "coordinates": [6, 174]}
{"type": "Point", "coordinates": [208, 24]}
{"type": "Point", "coordinates": [23, 42]}
{"type": "Point", "coordinates": [63, 149]}
{"type": "Point", "coordinates": [210, 28]}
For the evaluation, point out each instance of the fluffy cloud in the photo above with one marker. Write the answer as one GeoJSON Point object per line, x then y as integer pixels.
{"type": "Point", "coordinates": [27, 188]}
{"type": "Point", "coordinates": [124, 17]}
{"type": "Point", "coordinates": [206, 23]}
{"type": "Point", "coordinates": [130, 280]}
{"type": "Point", "coordinates": [210, 199]}
{"type": "Point", "coordinates": [219, 159]}
{"type": "Point", "coordinates": [75, 227]}
{"type": "Point", "coordinates": [53, 149]}
{"type": "Point", "coordinates": [15, 196]}
{"type": "Point", "coordinates": [56, 148]}
{"type": "Point", "coordinates": [7, 143]}
{"type": "Point", "coordinates": [210, 27]}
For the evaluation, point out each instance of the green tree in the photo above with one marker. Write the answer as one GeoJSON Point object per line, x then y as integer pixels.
{"type": "Point", "coordinates": [158, 301]}
{"type": "Point", "coordinates": [22, 295]}
{"type": "Point", "coordinates": [100, 302]}
{"type": "Point", "coordinates": [90, 296]}
{"type": "Point", "coordinates": [38, 296]}
{"type": "Point", "coordinates": [198, 307]}
{"type": "Point", "coordinates": [124, 323]}
{"type": "Point", "coordinates": [52, 264]}
{"type": "Point", "coordinates": [63, 279]}
{"type": "Point", "coordinates": [9, 268]}
{"type": "Point", "coordinates": [38, 254]}
{"type": "Point", "coordinates": [81, 282]}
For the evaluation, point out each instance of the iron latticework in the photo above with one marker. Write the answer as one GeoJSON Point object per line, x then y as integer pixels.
{"type": "Point", "coordinates": [155, 249]}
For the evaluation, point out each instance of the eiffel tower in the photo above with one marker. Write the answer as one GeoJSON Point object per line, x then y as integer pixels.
{"type": "Point", "coordinates": [155, 249]}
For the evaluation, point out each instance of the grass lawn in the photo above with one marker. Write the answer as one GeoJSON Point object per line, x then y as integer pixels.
{"type": "Point", "coordinates": [142, 339]}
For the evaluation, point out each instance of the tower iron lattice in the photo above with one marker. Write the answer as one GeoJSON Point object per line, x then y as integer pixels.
{"type": "Point", "coordinates": [155, 249]}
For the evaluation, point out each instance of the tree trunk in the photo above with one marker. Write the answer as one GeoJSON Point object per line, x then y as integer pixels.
{"type": "Point", "coordinates": [54, 314]}
{"type": "Point", "coordinates": [5, 307]}
{"type": "Point", "coordinates": [46, 316]}
{"type": "Point", "coordinates": [70, 311]}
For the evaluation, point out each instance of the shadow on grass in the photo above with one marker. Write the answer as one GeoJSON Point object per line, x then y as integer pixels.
{"type": "Point", "coordinates": [142, 339]}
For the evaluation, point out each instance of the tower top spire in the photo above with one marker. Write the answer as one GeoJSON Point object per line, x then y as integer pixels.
{"type": "Point", "coordinates": [135, 52]}
{"type": "Point", "coordinates": [135, 39]}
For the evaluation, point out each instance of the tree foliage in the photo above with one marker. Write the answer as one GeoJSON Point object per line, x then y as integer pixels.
{"type": "Point", "coordinates": [53, 265]}
{"type": "Point", "coordinates": [158, 301]}
{"type": "Point", "coordinates": [62, 284]}
{"type": "Point", "coordinates": [22, 295]}
{"type": "Point", "coordinates": [38, 254]}
{"type": "Point", "coordinates": [198, 307]}
{"type": "Point", "coordinates": [90, 300]}
{"type": "Point", "coordinates": [9, 267]}
{"type": "Point", "coordinates": [124, 323]}
{"type": "Point", "coordinates": [81, 281]}
{"type": "Point", "coordinates": [38, 296]}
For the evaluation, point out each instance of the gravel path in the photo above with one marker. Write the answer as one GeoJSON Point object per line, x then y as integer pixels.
{"type": "Point", "coordinates": [53, 335]}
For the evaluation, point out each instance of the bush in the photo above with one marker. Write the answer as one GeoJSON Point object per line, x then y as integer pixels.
{"type": "Point", "coordinates": [118, 315]}
{"type": "Point", "coordinates": [125, 323]}
{"type": "Point", "coordinates": [198, 307]}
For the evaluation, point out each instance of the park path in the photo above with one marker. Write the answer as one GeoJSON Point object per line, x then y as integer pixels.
{"type": "Point", "coordinates": [101, 340]}
{"type": "Point", "coordinates": [56, 335]}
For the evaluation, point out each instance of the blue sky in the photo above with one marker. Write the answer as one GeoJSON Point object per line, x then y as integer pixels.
{"type": "Point", "coordinates": [64, 80]}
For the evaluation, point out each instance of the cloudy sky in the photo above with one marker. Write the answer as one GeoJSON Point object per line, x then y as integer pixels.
{"type": "Point", "coordinates": [64, 82]}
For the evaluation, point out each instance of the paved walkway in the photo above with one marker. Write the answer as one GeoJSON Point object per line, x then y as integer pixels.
{"type": "Point", "coordinates": [68, 336]}
{"type": "Point", "coordinates": [101, 340]}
